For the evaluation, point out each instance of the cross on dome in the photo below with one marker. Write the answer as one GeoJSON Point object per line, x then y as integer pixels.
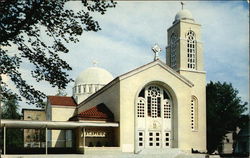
{"type": "Point", "coordinates": [94, 62]}
{"type": "Point", "coordinates": [183, 14]}
{"type": "Point", "coordinates": [182, 4]}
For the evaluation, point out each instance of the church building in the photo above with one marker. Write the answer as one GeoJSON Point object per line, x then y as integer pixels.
{"type": "Point", "coordinates": [160, 105]}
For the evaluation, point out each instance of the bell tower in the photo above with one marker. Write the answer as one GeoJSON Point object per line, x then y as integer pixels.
{"type": "Point", "coordinates": [184, 54]}
{"type": "Point", "coordinates": [185, 50]}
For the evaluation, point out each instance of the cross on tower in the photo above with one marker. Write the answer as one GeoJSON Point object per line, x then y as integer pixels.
{"type": "Point", "coordinates": [156, 49]}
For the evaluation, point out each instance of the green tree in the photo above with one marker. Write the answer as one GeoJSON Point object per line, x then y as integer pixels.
{"type": "Point", "coordinates": [10, 109]}
{"type": "Point", "coordinates": [21, 25]}
{"type": "Point", "coordinates": [14, 137]}
{"type": "Point", "coordinates": [243, 121]}
{"type": "Point", "coordinates": [224, 109]}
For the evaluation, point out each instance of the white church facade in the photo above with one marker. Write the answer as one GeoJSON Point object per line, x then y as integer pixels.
{"type": "Point", "coordinates": [160, 105]}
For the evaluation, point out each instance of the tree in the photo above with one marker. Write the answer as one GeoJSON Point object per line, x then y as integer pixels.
{"type": "Point", "coordinates": [243, 121]}
{"type": "Point", "coordinates": [14, 137]}
{"type": "Point", "coordinates": [21, 25]}
{"type": "Point", "coordinates": [224, 109]}
{"type": "Point", "coordinates": [10, 109]}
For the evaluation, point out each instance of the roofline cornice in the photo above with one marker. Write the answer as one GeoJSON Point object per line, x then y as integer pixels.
{"type": "Point", "coordinates": [194, 71]}
{"type": "Point", "coordinates": [63, 106]}
{"type": "Point", "coordinates": [163, 65]}
{"type": "Point", "coordinates": [183, 22]}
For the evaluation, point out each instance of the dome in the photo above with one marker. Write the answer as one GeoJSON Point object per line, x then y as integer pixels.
{"type": "Point", "coordinates": [94, 75]}
{"type": "Point", "coordinates": [184, 15]}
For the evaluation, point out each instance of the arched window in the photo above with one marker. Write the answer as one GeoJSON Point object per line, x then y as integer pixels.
{"type": "Point", "coordinates": [79, 89]}
{"type": "Point", "coordinates": [173, 45]}
{"type": "Point", "coordinates": [194, 113]}
{"type": "Point", "coordinates": [90, 88]}
{"type": "Point", "coordinates": [167, 109]}
{"type": "Point", "coordinates": [152, 100]}
{"type": "Point", "coordinates": [96, 88]}
{"type": "Point", "coordinates": [84, 89]}
{"type": "Point", "coordinates": [191, 50]}
{"type": "Point", "coordinates": [140, 107]}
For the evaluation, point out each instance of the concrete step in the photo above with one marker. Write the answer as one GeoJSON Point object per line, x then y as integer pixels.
{"type": "Point", "coordinates": [169, 153]}
{"type": "Point", "coordinates": [102, 150]}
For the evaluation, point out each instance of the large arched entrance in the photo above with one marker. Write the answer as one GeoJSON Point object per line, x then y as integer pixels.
{"type": "Point", "coordinates": [153, 118]}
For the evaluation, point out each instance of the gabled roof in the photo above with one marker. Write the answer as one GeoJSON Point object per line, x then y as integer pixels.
{"type": "Point", "coordinates": [62, 101]}
{"type": "Point", "coordinates": [160, 63]}
{"type": "Point", "coordinates": [99, 112]}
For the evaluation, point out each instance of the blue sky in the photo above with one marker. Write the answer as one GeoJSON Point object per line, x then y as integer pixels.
{"type": "Point", "coordinates": [132, 28]}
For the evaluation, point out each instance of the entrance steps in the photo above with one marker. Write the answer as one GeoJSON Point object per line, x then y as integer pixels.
{"type": "Point", "coordinates": [102, 150]}
{"type": "Point", "coordinates": [115, 152]}
{"type": "Point", "coordinates": [168, 153]}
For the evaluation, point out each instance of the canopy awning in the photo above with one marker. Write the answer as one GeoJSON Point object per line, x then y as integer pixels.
{"type": "Point", "coordinates": [55, 124]}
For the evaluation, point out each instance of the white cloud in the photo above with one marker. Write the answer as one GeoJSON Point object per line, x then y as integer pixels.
{"type": "Point", "coordinates": [5, 78]}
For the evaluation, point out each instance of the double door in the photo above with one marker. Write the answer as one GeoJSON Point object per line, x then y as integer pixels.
{"type": "Point", "coordinates": [154, 139]}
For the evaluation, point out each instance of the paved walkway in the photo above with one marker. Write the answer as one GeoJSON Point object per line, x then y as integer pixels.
{"type": "Point", "coordinates": [152, 155]}
{"type": "Point", "coordinates": [166, 153]}
{"type": "Point", "coordinates": [99, 156]}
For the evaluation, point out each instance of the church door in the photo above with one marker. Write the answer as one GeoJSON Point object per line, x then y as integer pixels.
{"type": "Point", "coordinates": [153, 118]}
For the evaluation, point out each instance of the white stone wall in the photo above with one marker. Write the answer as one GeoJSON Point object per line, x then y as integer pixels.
{"type": "Point", "coordinates": [199, 90]}
{"type": "Point", "coordinates": [130, 88]}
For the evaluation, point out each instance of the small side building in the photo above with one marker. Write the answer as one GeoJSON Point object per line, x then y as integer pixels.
{"type": "Point", "coordinates": [60, 108]}
{"type": "Point", "coordinates": [34, 137]}
{"type": "Point", "coordinates": [242, 143]}
{"type": "Point", "coordinates": [227, 143]}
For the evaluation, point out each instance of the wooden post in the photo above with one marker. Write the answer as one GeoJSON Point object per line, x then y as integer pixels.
{"type": "Point", "coordinates": [83, 137]}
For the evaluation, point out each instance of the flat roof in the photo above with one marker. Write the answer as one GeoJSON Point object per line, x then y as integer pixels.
{"type": "Point", "coordinates": [25, 109]}
{"type": "Point", "coordinates": [54, 124]}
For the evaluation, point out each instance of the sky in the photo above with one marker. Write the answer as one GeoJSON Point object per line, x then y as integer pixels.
{"type": "Point", "coordinates": [131, 28]}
